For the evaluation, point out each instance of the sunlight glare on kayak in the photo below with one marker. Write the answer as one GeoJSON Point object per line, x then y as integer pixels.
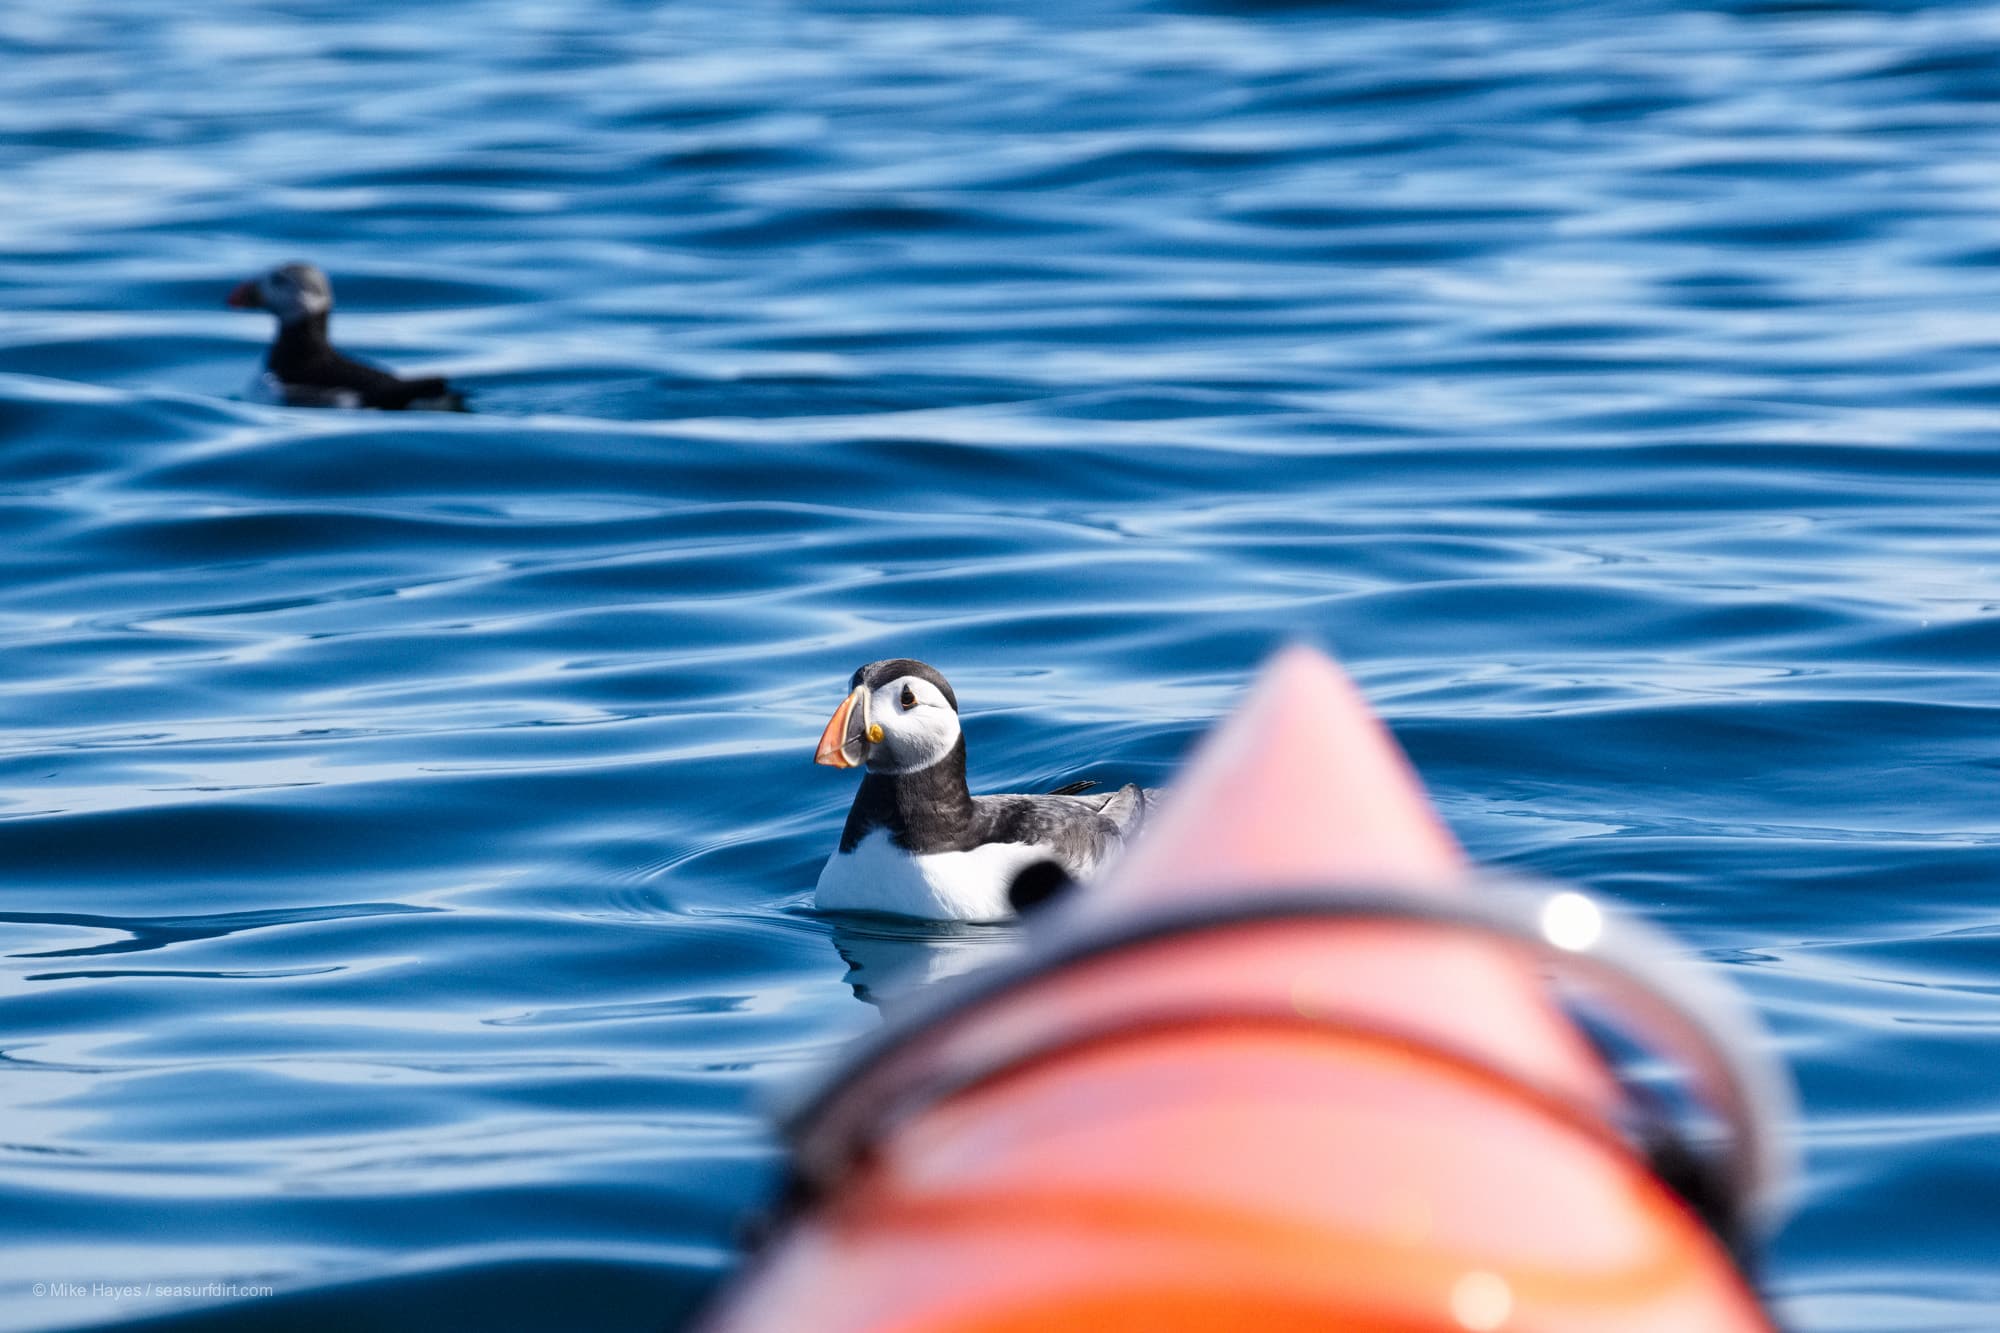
{"type": "Point", "coordinates": [1481, 1302]}
{"type": "Point", "coordinates": [1572, 922]}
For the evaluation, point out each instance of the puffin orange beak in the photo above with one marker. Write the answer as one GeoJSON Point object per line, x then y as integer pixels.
{"type": "Point", "coordinates": [246, 296]}
{"type": "Point", "coordinates": [845, 742]}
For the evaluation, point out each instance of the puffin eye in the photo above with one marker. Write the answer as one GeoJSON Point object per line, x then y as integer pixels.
{"type": "Point", "coordinates": [909, 699]}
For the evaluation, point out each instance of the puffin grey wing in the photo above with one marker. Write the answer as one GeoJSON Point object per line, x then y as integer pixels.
{"type": "Point", "coordinates": [1072, 830]}
{"type": "Point", "coordinates": [1127, 808]}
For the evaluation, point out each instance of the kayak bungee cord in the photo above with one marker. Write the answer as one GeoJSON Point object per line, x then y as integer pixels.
{"type": "Point", "coordinates": [925, 1054]}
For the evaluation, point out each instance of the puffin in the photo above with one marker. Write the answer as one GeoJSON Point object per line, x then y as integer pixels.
{"type": "Point", "coordinates": [303, 369]}
{"type": "Point", "coordinates": [918, 843]}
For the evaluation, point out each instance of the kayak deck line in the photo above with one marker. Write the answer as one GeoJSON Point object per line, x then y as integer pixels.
{"type": "Point", "coordinates": [1160, 970]}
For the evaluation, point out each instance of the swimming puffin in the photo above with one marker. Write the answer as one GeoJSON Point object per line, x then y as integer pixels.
{"type": "Point", "coordinates": [917, 842]}
{"type": "Point", "coordinates": [303, 370]}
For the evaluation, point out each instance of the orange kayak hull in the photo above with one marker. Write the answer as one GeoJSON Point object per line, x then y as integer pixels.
{"type": "Point", "coordinates": [1299, 1144]}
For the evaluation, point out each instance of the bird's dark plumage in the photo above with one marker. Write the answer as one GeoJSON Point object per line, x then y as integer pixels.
{"type": "Point", "coordinates": [877, 674]}
{"type": "Point", "coordinates": [302, 368]}
{"type": "Point", "coordinates": [303, 357]}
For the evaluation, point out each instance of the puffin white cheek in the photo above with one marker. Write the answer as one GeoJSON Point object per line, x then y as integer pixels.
{"type": "Point", "coordinates": [919, 738]}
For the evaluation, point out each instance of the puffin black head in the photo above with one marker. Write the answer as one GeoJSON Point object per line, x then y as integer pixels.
{"type": "Point", "coordinates": [877, 674]}
{"type": "Point", "coordinates": [899, 715]}
{"type": "Point", "coordinates": [291, 291]}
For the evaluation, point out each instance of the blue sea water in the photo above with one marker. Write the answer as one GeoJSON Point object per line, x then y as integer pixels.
{"type": "Point", "coordinates": [406, 821]}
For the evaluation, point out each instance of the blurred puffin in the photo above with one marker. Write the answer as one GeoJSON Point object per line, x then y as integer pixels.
{"type": "Point", "coordinates": [303, 370]}
{"type": "Point", "coordinates": [918, 843]}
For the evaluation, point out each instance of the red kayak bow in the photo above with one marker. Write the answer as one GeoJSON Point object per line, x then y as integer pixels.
{"type": "Point", "coordinates": [1282, 1071]}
